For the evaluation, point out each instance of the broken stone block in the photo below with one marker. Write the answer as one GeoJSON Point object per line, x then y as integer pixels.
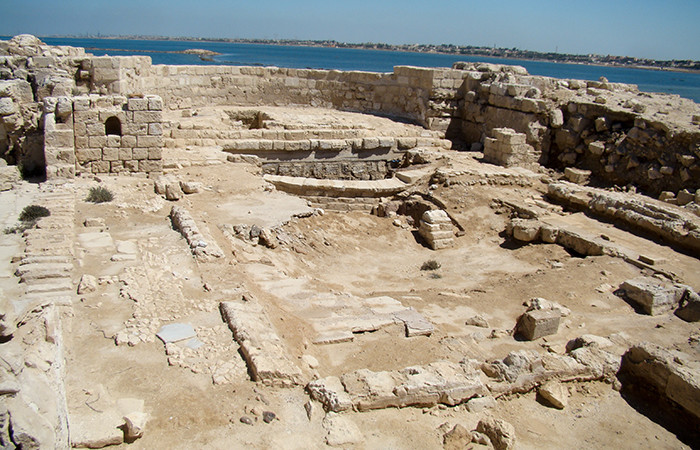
{"type": "Point", "coordinates": [689, 307]}
{"type": "Point", "coordinates": [93, 430]}
{"type": "Point", "coordinates": [554, 393]}
{"type": "Point", "coordinates": [416, 324]}
{"type": "Point", "coordinates": [190, 187]}
{"type": "Point", "coordinates": [526, 230]}
{"type": "Point", "coordinates": [684, 197]}
{"type": "Point", "coordinates": [88, 283]}
{"type": "Point", "coordinates": [342, 431]}
{"type": "Point", "coordinates": [331, 393]}
{"type": "Point", "coordinates": [94, 222]}
{"type": "Point", "coordinates": [268, 239]}
{"type": "Point", "coordinates": [542, 304]}
{"type": "Point", "coordinates": [479, 404]}
{"type": "Point", "coordinates": [173, 191]}
{"type": "Point", "coordinates": [538, 323]}
{"type": "Point", "coordinates": [500, 432]}
{"type": "Point", "coordinates": [670, 375]}
{"type": "Point", "coordinates": [652, 295]}
{"type": "Point", "coordinates": [477, 321]}
{"type": "Point", "coordinates": [578, 176]}
{"type": "Point", "coordinates": [457, 438]}
{"type": "Point", "coordinates": [135, 425]}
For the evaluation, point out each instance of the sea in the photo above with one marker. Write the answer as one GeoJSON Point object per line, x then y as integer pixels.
{"type": "Point", "coordinates": [685, 84]}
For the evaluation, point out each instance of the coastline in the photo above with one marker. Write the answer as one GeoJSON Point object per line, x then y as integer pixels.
{"type": "Point", "coordinates": [386, 47]}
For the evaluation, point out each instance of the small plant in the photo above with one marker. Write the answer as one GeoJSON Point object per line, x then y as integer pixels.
{"type": "Point", "coordinates": [32, 213]}
{"type": "Point", "coordinates": [435, 275]}
{"type": "Point", "coordinates": [431, 264]}
{"type": "Point", "coordinates": [99, 195]}
{"type": "Point", "coordinates": [28, 218]}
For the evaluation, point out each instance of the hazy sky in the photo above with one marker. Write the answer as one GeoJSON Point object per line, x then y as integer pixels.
{"type": "Point", "coordinates": [658, 29]}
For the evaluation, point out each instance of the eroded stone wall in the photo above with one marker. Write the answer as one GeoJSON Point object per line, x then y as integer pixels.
{"type": "Point", "coordinates": [625, 137]}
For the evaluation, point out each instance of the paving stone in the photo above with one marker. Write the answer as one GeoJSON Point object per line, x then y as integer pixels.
{"type": "Point", "coordinates": [176, 332]}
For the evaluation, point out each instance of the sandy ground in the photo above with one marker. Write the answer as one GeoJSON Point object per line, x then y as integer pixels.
{"type": "Point", "coordinates": [351, 254]}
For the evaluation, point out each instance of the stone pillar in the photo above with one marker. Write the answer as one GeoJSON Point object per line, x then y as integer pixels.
{"type": "Point", "coordinates": [436, 229]}
{"type": "Point", "coordinates": [59, 139]}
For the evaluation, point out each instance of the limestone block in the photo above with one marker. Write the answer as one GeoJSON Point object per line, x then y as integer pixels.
{"type": "Point", "coordinates": [7, 106]}
{"type": "Point", "coordinates": [149, 141]}
{"type": "Point", "coordinates": [137, 104]}
{"type": "Point", "coordinates": [155, 103]}
{"type": "Point", "coordinates": [80, 129]}
{"type": "Point", "coordinates": [556, 118]}
{"type": "Point", "coordinates": [151, 165]}
{"type": "Point", "coordinates": [140, 153]}
{"type": "Point", "coordinates": [526, 230]}
{"type": "Point", "coordinates": [116, 166]}
{"type": "Point", "coordinates": [81, 103]}
{"type": "Point", "coordinates": [554, 393]}
{"type": "Point", "coordinates": [95, 129]}
{"type": "Point", "coordinates": [500, 432]}
{"type": "Point", "coordinates": [100, 166]}
{"type": "Point", "coordinates": [331, 393]}
{"type": "Point", "coordinates": [58, 138]}
{"type": "Point", "coordinates": [128, 141]}
{"type": "Point", "coordinates": [436, 216]}
{"type": "Point", "coordinates": [155, 153]}
{"type": "Point", "coordinates": [145, 117]}
{"type": "Point", "coordinates": [84, 155]}
{"type": "Point", "coordinates": [538, 323]}
{"type": "Point", "coordinates": [597, 148]}
{"type": "Point", "coordinates": [131, 166]}
{"type": "Point", "coordinates": [652, 295]}
{"type": "Point", "coordinates": [110, 154]}
{"type": "Point", "coordinates": [578, 176]}
{"type": "Point", "coordinates": [155, 129]}
{"type": "Point", "coordinates": [662, 371]}
{"type": "Point", "coordinates": [125, 154]}
{"type": "Point", "coordinates": [113, 141]}
{"type": "Point", "coordinates": [370, 143]}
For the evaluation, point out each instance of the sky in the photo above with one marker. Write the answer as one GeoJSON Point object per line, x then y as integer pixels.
{"type": "Point", "coordinates": [658, 29]}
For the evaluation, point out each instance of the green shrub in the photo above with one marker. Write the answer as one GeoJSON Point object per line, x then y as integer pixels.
{"type": "Point", "coordinates": [28, 218]}
{"type": "Point", "coordinates": [99, 195]}
{"type": "Point", "coordinates": [32, 213]}
{"type": "Point", "coordinates": [430, 265]}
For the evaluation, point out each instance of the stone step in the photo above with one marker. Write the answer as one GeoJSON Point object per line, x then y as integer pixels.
{"type": "Point", "coordinates": [62, 286]}
{"type": "Point", "coordinates": [337, 188]}
{"type": "Point", "coordinates": [255, 145]}
{"type": "Point", "coordinates": [187, 131]}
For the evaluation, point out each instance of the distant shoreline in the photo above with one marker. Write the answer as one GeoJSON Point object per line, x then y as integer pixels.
{"type": "Point", "coordinates": [690, 66]}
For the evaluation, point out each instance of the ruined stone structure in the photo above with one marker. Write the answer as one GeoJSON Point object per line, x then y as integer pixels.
{"type": "Point", "coordinates": [475, 150]}
{"type": "Point", "coordinates": [608, 128]}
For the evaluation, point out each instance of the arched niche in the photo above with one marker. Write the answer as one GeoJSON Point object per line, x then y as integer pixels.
{"type": "Point", "coordinates": [113, 126]}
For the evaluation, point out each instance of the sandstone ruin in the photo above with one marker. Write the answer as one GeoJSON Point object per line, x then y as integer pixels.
{"type": "Point", "coordinates": [297, 258]}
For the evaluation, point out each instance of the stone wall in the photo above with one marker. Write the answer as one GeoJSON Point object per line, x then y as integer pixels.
{"type": "Point", "coordinates": [651, 141]}
{"type": "Point", "coordinates": [403, 93]}
{"type": "Point", "coordinates": [134, 145]}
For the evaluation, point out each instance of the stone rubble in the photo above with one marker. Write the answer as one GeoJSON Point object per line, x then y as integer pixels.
{"type": "Point", "coordinates": [440, 382]}
{"type": "Point", "coordinates": [203, 248]}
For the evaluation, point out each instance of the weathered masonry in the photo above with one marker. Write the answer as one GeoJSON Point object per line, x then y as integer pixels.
{"type": "Point", "coordinates": [623, 136]}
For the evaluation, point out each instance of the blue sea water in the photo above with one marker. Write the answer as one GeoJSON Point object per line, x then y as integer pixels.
{"type": "Point", "coordinates": [682, 83]}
